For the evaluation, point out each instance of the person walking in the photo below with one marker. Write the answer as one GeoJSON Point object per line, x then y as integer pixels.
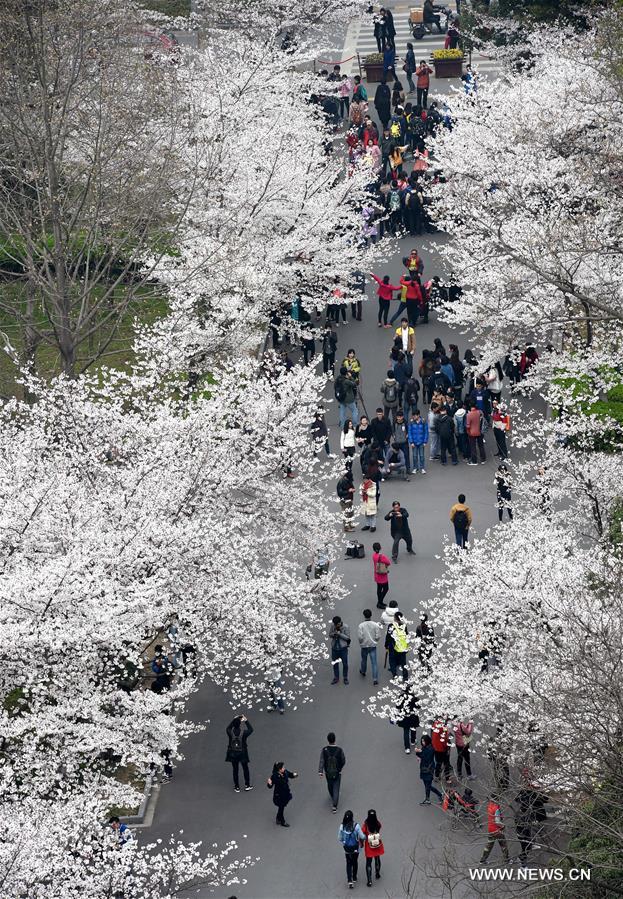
{"type": "Point", "coordinates": [369, 634]}
{"type": "Point", "coordinates": [380, 569]}
{"type": "Point", "coordinates": [351, 836]}
{"type": "Point", "coordinates": [461, 518]}
{"type": "Point", "coordinates": [339, 637]}
{"type": "Point", "coordinates": [503, 487]}
{"type": "Point", "coordinates": [279, 783]}
{"type": "Point", "coordinates": [408, 719]}
{"type": "Point", "coordinates": [463, 731]}
{"type": "Point", "coordinates": [427, 768]}
{"type": "Point", "coordinates": [398, 638]}
{"type": "Point", "coordinates": [399, 529]}
{"type": "Point", "coordinates": [383, 102]}
{"type": "Point", "coordinates": [238, 732]}
{"type": "Point", "coordinates": [473, 426]}
{"type": "Point", "coordinates": [345, 490]}
{"type": "Point", "coordinates": [495, 830]}
{"type": "Point", "coordinates": [332, 760]}
{"type": "Point", "coordinates": [423, 73]}
{"type": "Point", "coordinates": [320, 433]}
{"type": "Point", "coordinates": [329, 348]}
{"type": "Point", "coordinates": [418, 438]}
{"type": "Point", "coordinates": [373, 846]}
{"type": "Point", "coordinates": [385, 292]}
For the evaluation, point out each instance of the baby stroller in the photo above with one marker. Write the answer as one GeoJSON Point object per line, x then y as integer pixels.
{"type": "Point", "coordinates": [463, 809]}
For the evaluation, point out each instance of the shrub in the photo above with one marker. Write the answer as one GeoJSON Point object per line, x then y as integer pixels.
{"type": "Point", "coordinates": [447, 54]}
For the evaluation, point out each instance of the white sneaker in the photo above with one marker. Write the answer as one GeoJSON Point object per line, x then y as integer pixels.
{"type": "Point", "coordinates": [414, 471]}
{"type": "Point", "coordinates": [407, 752]}
{"type": "Point", "coordinates": [423, 471]}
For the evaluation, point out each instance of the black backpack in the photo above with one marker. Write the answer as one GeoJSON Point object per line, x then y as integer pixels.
{"type": "Point", "coordinates": [331, 767]}
{"type": "Point", "coordinates": [390, 393]}
{"type": "Point", "coordinates": [340, 390]}
{"type": "Point", "coordinates": [236, 742]}
{"type": "Point", "coordinates": [461, 521]}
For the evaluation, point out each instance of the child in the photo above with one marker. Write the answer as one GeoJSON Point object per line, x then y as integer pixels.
{"type": "Point", "coordinates": [418, 438]}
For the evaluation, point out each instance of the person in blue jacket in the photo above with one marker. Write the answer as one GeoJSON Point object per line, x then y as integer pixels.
{"type": "Point", "coordinates": [418, 438]}
{"type": "Point", "coordinates": [351, 836]}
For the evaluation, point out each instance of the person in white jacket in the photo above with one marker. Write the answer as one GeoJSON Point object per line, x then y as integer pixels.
{"type": "Point", "coordinates": [347, 441]}
{"type": "Point", "coordinates": [369, 634]}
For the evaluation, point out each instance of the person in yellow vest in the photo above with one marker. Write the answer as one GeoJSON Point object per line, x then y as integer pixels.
{"type": "Point", "coordinates": [495, 830]}
{"type": "Point", "coordinates": [398, 634]}
{"type": "Point", "coordinates": [407, 335]}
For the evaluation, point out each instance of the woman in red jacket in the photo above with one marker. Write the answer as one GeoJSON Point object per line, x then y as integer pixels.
{"type": "Point", "coordinates": [384, 293]}
{"type": "Point", "coordinates": [373, 847]}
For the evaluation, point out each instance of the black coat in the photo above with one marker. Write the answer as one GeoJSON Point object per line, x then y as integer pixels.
{"type": "Point", "coordinates": [381, 430]}
{"type": "Point", "coordinates": [281, 787]}
{"type": "Point", "coordinates": [395, 527]}
{"type": "Point", "coordinates": [241, 755]}
{"type": "Point", "coordinates": [383, 98]}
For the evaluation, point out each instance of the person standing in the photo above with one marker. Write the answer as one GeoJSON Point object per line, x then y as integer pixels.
{"type": "Point", "coordinates": [444, 426]}
{"type": "Point", "coordinates": [351, 836]}
{"type": "Point", "coordinates": [390, 28]}
{"type": "Point", "coordinates": [501, 427]}
{"type": "Point", "coordinates": [345, 390]}
{"type": "Point", "coordinates": [368, 498]}
{"type": "Point", "coordinates": [463, 731]}
{"type": "Point", "coordinates": [440, 737]}
{"type": "Point", "coordinates": [425, 634]}
{"type": "Point", "coordinates": [339, 637]}
{"type": "Point", "coordinates": [418, 438]}
{"type": "Point", "coordinates": [427, 768]}
{"type": "Point", "coordinates": [380, 569]}
{"type": "Point", "coordinates": [408, 719]}
{"type": "Point", "coordinates": [345, 490]}
{"type": "Point", "coordinates": [369, 634]}
{"type": "Point", "coordinates": [347, 442]}
{"type": "Point", "coordinates": [473, 426]}
{"type": "Point", "coordinates": [344, 93]}
{"type": "Point", "coordinates": [503, 486]}
{"type": "Point", "coordinates": [398, 641]}
{"type": "Point", "coordinates": [495, 830]}
{"type": "Point", "coordinates": [410, 67]}
{"type": "Point", "coordinates": [423, 73]}
{"type": "Point", "coordinates": [238, 732]}
{"type": "Point", "coordinates": [279, 783]}
{"type": "Point", "coordinates": [383, 102]}
{"type": "Point", "coordinates": [399, 529]}
{"type": "Point", "coordinates": [373, 845]}
{"type": "Point", "coordinates": [329, 347]}
{"type": "Point", "coordinates": [320, 433]}
{"type": "Point", "coordinates": [357, 286]}
{"type": "Point", "coordinates": [461, 518]}
{"type": "Point", "coordinates": [391, 392]}
{"type": "Point", "coordinates": [385, 293]}
{"type": "Point", "coordinates": [381, 429]}
{"type": "Point", "coordinates": [332, 760]}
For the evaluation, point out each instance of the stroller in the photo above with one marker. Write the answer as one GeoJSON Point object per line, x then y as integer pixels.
{"type": "Point", "coordinates": [463, 809]}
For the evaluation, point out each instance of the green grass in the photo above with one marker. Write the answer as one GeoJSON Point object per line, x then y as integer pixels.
{"type": "Point", "coordinates": [168, 7]}
{"type": "Point", "coordinates": [147, 307]}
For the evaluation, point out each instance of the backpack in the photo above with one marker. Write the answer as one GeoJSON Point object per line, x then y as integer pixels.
{"type": "Point", "coordinates": [461, 521]}
{"type": "Point", "coordinates": [351, 840]}
{"type": "Point", "coordinates": [331, 767]}
{"type": "Point", "coordinates": [390, 393]}
{"type": "Point", "coordinates": [340, 391]}
{"type": "Point", "coordinates": [401, 639]}
{"type": "Point", "coordinates": [236, 742]}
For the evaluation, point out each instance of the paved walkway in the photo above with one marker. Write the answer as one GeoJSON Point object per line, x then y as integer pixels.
{"type": "Point", "coordinates": [306, 861]}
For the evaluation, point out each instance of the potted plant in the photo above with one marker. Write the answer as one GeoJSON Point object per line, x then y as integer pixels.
{"type": "Point", "coordinates": [448, 63]}
{"type": "Point", "coordinates": [373, 64]}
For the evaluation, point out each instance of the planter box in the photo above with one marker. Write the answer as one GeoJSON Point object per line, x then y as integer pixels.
{"type": "Point", "coordinates": [448, 68]}
{"type": "Point", "coordinates": [374, 71]}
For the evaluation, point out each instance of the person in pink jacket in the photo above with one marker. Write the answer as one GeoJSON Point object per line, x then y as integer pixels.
{"type": "Point", "coordinates": [380, 569]}
{"type": "Point", "coordinates": [463, 731]}
{"type": "Point", "coordinates": [385, 293]}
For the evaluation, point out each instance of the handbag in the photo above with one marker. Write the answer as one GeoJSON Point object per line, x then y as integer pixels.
{"type": "Point", "coordinates": [374, 840]}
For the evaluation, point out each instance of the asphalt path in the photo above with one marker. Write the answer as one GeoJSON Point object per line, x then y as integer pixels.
{"type": "Point", "coordinates": [306, 861]}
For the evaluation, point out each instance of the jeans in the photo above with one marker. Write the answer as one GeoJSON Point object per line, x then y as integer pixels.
{"type": "Point", "coordinates": [333, 787]}
{"type": "Point", "coordinates": [245, 770]}
{"type": "Point", "coordinates": [401, 308]}
{"type": "Point", "coordinates": [462, 755]}
{"type": "Point", "coordinates": [463, 443]}
{"type": "Point", "coordinates": [429, 788]}
{"type": "Point", "coordinates": [401, 535]}
{"type": "Point", "coordinates": [422, 97]}
{"type": "Point", "coordinates": [410, 82]}
{"type": "Point", "coordinates": [369, 652]}
{"type": "Point", "coordinates": [371, 521]}
{"type": "Point", "coordinates": [352, 863]}
{"type": "Point", "coordinates": [477, 443]}
{"type": "Point", "coordinates": [349, 410]}
{"type": "Point", "coordinates": [338, 655]}
{"type": "Point", "coordinates": [461, 536]}
{"type": "Point", "coordinates": [418, 456]}
{"type": "Point", "coordinates": [381, 592]}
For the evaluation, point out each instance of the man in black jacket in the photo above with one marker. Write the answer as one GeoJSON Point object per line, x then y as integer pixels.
{"type": "Point", "coordinates": [381, 429]}
{"type": "Point", "coordinates": [345, 490]}
{"type": "Point", "coordinates": [399, 529]}
{"type": "Point", "coordinates": [444, 426]}
{"type": "Point", "coordinates": [332, 760]}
